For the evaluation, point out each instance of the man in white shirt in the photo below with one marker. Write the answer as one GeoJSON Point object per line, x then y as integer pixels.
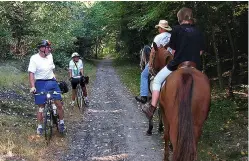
{"type": "Point", "coordinates": [161, 39]}
{"type": "Point", "coordinates": [42, 79]}
{"type": "Point", "coordinates": [164, 36]}
{"type": "Point", "coordinates": [76, 75]}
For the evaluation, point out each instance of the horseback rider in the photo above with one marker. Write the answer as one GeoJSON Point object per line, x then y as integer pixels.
{"type": "Point", "coordinates": [161, 39]}
{"type": "Point", "coordinates": [144, 81]}
{"type": "Point", "coordinates": [187, 44]}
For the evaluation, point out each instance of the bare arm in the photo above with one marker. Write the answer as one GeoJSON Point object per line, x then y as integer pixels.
{"type": "Point", "coordinates": [201, 52]}
{"type": "Point", "coordinates": [82, 71]}
{"type": "Point", "coordinates": [70, 73]}
{"type": "Point", "coordinates": [31, 79]}
{"type": "Point", "coordinates": [54, 75]}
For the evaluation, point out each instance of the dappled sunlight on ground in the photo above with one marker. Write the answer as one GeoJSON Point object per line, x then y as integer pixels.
{"type": "Point", "coordinates": [106, 111]}
{"type": "Point", "coordinates": [111, 157]}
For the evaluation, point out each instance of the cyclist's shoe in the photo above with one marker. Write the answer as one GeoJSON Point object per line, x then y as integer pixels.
{"type": "Point", "coordinates": [61, 128]}
{"type": "Point", "coordinates": [72, 103]}
{"type": "Point", "coordinates": [39, 131]}
{"type": "Point", "coordinates": [86, 101]}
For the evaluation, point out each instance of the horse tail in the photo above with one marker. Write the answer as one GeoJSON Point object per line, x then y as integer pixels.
{"type": "Point", "coordinates": [185, 145]}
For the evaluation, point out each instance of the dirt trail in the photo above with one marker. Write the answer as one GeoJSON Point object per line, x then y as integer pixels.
{"type": "Point", "coordinates": [113, 127]}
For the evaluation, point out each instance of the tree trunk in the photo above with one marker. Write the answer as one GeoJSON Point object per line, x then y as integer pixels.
{"type": "Point", "coordinates": [234, 58]}
{"type": "Point", "coordinates": [217, 60]}
{"type": "Point", "coordinates": [203, 57]}
{"type": "Point", "coordinates": [96, 49]}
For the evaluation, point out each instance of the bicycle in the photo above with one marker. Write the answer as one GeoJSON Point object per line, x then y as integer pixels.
{"type": "Point", "coordinates": [50, 116]}
{"type": "Point", "coordinates": [79, 96]}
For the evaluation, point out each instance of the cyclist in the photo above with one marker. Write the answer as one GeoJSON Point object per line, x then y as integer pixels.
{"type": "Point", "coordinates": [42, 79]}
{"type": "Point", "coordinates": [76, 75]}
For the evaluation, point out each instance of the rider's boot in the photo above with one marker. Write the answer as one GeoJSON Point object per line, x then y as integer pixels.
{"type": "Point", "coordinates": [149, 110]}
{"type": "Point", "coordinates": [142, 99]}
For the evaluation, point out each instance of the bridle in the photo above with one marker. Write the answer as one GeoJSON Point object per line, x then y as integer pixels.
{"type": "Point", "coordinates": [152, 69]}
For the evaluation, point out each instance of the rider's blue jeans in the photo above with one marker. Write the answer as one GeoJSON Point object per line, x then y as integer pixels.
{"type": "Point", "coordinates": [144, 88]}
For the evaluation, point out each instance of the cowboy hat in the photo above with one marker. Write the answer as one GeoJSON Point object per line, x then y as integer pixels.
{"type": "Point", "coordinates": [164, 25]}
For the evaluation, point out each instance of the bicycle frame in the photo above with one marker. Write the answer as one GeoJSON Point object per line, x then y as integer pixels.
{"type": "Point", "coordinates": [48, 114]}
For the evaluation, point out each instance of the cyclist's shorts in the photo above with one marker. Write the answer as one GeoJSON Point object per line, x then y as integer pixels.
{"type": "Point", "coordinates": [76, 81]}
{"type": "Point", "coordinates": [46, 86]}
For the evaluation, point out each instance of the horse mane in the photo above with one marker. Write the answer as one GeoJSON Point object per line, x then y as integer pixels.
{"type": "Point", "coordinates": [144, 56]}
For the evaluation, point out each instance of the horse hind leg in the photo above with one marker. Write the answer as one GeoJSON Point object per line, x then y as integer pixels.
{"type": "Point", "coordinates": [166, 139]}
{"type": "Point", "coordinates": [160, 125]}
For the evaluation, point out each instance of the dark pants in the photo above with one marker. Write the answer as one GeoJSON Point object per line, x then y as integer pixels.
{"type": "Point", "coordinates": [76, 81]}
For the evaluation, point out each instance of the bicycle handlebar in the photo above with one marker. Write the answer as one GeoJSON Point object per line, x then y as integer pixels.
{"type": "Point", "coordinates": [49, 92]}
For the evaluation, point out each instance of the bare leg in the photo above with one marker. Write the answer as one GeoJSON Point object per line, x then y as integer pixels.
{"type": "Point", "coordinates": [84, 91]}
{"type": "Point", "coordinates": [155, 96]}
{"type": "Point", "coordinates": [73, 94]}
{"type": "Point", "coordinates": [40, 114]}
{"type": "Point", "coordinates": [59, 109]}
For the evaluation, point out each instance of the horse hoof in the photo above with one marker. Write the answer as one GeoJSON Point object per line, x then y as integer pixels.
{"type": "Point", "coordinates": [148, 133]}
{"type": "Point", "coordinates": [171, 146]}
{"type": "Point", "coordinates": [160, 130]}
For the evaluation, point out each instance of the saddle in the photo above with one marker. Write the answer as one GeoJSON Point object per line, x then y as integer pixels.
{"type": "Point", "coordinates": [186, 64]}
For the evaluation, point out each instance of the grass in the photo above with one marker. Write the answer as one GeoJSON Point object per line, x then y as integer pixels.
{"type": "Point", "coordinates": [225, 132]}
{"type": "Point", "coordinates": [129, 74]}
{"type": "Point", "coordinates": [11, 75]}
{"type": "Point", "coordinates": [18, 139]}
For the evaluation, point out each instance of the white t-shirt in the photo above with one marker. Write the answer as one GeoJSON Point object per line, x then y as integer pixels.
{"type": "Point", "coordinates": [162, 39]}
{"type": "Point", "coordinates": [76, 69]}
{"type": "Point", "coordinates": [42, 67]}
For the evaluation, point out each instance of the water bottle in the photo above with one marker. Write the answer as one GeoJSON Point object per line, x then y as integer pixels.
{"type": "Point", "coordinates": [54, 109]}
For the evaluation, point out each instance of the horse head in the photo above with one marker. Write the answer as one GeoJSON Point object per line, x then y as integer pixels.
{"type": "Point", "coordinates": [159, 58]}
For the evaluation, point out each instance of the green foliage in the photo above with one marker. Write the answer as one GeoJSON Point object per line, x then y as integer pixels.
{"type": "Point", "coordinates": [129, 74]}
{"type": "Point", "coordinates": [11, 75]}
{"type": "Point", "coordinates": [24, 24]}
{"type": "Point", "coordinates": [61, 59]}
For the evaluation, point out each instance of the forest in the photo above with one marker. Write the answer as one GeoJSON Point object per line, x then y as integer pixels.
{"type": "Point", "coordinates": [119, 30]}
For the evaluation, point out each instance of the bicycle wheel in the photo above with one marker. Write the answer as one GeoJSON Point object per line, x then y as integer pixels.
{"type": "Point", "coordinates": [48, 122]}
{"type": "Point", "coordinates": [79, 98]}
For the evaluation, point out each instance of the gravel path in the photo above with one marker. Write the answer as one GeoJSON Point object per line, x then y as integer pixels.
{"type": "Point", "coordinates": [113, 127]}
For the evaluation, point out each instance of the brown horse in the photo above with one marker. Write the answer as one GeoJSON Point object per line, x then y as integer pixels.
{"type": "Point", "coordinates": [185, 101]}
{"type": "Point", "coordinates": [161, 60]}
{"type": "Point", "coordinates": [144, 58]}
